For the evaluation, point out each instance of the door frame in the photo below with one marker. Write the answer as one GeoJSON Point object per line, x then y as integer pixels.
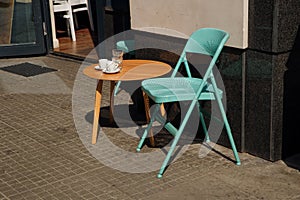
{"type": "Point", "coordinates": [41, 45]}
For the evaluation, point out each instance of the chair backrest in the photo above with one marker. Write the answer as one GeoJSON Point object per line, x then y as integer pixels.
{"type": "Point", "coordinates": [128, 47]}
{"type": "Point", "coordinates": [61, 5]}
{"type": "Point", "coordinates": [207, 41]}
{"type": "Point", "coordinates": [82, 5]}
{"type": "Point", "coordinates": [78, 2]}
{"type": "Point", "coordinates": [125, 45]}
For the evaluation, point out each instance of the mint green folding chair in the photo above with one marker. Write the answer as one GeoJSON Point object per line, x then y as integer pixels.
{"type": "Point", "coordinates": [207, 41]}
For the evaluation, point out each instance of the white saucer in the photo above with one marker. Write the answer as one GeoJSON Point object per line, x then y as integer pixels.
{"type": "Point", "coordinates": [111, 72]}
{"type": "Point", "coordinates": [97, 67]}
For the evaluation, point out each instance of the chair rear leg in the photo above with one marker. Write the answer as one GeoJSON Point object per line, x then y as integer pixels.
{"type": "Point", "coordinates": [117, 88]}
{"type": "Point", "coordinates": [203, 123]}
{"type": "Point", "coordinates": [90, 17]}
{"type": "Point", "coordinates": [231, 140]}
{"type": "Point", "coordinates": [227, 126]}
{"type": "Point", "coordinates": [71, 23]}
{"type": "Point", "coordinates": [236, 155]}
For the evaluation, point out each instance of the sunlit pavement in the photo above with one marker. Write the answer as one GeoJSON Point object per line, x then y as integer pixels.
{"type": "Point", "coordinates": [42, 156]}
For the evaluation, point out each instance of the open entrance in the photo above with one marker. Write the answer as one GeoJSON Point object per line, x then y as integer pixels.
{"type": "Point", "coordinates": [101, 20]}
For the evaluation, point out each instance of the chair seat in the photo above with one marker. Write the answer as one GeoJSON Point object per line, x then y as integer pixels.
{"type": "Point", "coordinates": [162, 90]}
{"type": "Point", "coordinates": [79, 9]}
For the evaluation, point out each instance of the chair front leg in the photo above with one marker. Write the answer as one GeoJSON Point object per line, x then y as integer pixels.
{"type": "Point", "coordinates": [156, 110]}
{"type": "Point", "coordinates": [176, 138]}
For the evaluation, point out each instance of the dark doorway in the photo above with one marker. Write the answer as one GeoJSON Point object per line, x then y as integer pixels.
{"type": "Point", "coordinates": [112, 17]}
{"type": "Point", "coordinates": [291, 107]}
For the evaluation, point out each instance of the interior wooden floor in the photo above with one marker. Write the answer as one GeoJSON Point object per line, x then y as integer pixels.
{"type": "Point", "coordinates": [81, 48]}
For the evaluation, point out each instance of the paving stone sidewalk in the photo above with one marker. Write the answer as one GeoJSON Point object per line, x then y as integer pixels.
{"type": "Point", "coordinates": [43, 156]}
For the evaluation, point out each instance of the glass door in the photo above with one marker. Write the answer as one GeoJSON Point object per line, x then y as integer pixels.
{"type": "Point", "coordinates": [21, 28]}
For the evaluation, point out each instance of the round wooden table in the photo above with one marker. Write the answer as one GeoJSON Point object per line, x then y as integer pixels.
{"type": "Point", "coordinates": [131, 70]}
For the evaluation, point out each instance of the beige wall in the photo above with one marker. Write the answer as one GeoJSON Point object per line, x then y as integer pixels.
{"type": "Point", "coordinates": [185, 16]}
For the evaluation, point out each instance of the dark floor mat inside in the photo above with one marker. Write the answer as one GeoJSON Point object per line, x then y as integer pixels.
{"type": "Point", "coordinates": [27, 69]}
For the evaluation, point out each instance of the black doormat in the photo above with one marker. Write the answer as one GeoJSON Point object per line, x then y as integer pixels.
{"type": "Point", "coordinates": [27, 69]}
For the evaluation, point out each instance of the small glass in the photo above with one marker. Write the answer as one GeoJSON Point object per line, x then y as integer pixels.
{"type": "Point", "coordinates": [117, 56]}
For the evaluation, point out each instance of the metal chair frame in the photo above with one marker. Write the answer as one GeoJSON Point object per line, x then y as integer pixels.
{"type": "Point", "coordinates": [207, 41]}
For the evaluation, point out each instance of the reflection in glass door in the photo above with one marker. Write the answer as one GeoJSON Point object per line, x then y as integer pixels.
{"type": "Point", "coordinates": [21, 28]}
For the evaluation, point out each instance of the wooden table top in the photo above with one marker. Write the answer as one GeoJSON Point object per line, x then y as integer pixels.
{"type": "Point", "coordinates": [131, 70]}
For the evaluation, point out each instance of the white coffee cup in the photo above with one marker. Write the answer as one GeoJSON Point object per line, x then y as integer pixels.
{"type": "Point", "coordinates": [103, 63]}
{"type": "Point", "coordinates": [111, 66]}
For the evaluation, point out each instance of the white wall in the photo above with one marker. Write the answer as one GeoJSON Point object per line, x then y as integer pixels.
{"type": "Point", "coordinates": [186, 16]}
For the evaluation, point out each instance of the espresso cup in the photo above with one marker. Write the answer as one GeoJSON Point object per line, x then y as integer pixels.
{"type": "Point", "coordinates": [111, 66]}
{"type": "Point", "coordinates": [103, 63]}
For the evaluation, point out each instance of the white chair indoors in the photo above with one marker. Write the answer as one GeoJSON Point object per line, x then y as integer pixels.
{"type": "Point", "coordinates": [65, 6]}
{"type": "Point", "coordinates": [78, 6]}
